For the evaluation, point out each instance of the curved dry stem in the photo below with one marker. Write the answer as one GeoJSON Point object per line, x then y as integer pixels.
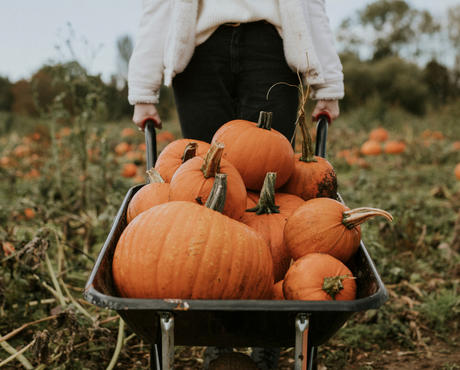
{"type": "Point", "coordinates": [211, 162]}
{"type": "Point", "coordinates": [189, 151]}
{"type": "Point", "coordinates": [154, 176]}
{"type": "Point", "coordinates": [357, 216]}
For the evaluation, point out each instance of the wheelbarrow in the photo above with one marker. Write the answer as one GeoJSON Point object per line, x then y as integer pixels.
{"type": "Point", "coordinates": [164, 323]}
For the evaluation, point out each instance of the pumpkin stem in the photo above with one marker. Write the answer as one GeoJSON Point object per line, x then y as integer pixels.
{"type": "Point", "coordinates": [154, 176]}
{"type": "Point", "coordinates": [307, 143]}
{"type": "Point", "coordinates": [211, 162]}
{"type": "Point", "coordinates": [357, 216]}
{"type": "Point", "coordinates": [216, 199]}
{"type": "Point", "coordinates": [189, 151]}
{"type": "Point", "coordinates": [265, 120]}
{"type": "Point", "coordinates": [266, 204]}
{"type": "Point", "coordinates": [332, 285]}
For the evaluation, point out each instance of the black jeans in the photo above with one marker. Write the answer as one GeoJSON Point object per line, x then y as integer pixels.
{"type": "Point", "coordinates": [229, 77]}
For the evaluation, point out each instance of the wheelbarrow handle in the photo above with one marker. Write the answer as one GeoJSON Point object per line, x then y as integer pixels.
{"type": "Point", "coordinates": [321, 134]}
{"type": "Point", "coordinates": [150, 143]}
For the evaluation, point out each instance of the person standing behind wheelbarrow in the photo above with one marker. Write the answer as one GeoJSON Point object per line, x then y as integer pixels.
{"type": "Point", "coordinates": [222, 57]}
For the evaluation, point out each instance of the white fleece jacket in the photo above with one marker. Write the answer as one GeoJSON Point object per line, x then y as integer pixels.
{"type": "Point", "coordinates": [166, 41]}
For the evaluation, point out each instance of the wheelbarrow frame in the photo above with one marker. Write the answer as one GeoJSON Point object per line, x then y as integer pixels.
{"type": "Point", "coordinates": [164, 323]}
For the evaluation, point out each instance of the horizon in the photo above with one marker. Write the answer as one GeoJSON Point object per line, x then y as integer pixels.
{"type": "Point", "coordinates": [25, 49]}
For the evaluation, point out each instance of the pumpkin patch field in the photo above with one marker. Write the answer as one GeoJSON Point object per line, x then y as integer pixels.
{"type": "Point", "coordinates": [62, 180]}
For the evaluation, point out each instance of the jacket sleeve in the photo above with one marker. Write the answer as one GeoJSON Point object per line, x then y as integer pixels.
{"type": "Point", "coordinates": [323, 42]}
{"type": "Point", "coordinates": [145, 72]}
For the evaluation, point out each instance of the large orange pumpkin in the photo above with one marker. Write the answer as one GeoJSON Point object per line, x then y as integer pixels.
{"type": "Point", "coordinates": [325, 225]}
{"type": "Point", "coordinates": [269, 219]}
{"type": "Point", "coordinates": [184, 250]}
{"type": "Point", "coordinates": [313, 176]}
{"type": "Point", "coordinates": [176, 153]}
{"type": "Point", "coordinates": [152, 194]}
{"type": "Point", "coordinates": [255, 149]}
{"type": "Point", "coordinates": [194, 179]}
{"type": "Point", "coordinates": [319, 277]}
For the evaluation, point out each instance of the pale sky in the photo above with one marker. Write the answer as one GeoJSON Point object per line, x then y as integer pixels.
{"type": "Point", "coordinates": [30, 30]}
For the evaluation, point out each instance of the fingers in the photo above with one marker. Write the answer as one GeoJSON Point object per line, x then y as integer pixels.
{"type": "Point", "coordinates": [145, 112]}
{"type": "Point", "coordinates": [329, 108]}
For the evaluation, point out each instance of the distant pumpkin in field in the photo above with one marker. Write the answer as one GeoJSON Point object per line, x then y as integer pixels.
{"type": "Point", "coordinates": [128, 132]}
{"type": "Point", "coordinates": [394, 147]}
{"type": "Point", "coordinates": [371, 147]}
{"type": "Point", "coordinates": [378, 134]}
{"type": "Point", "coordinates": [457, 171]}
{"type": "Point", "coordinates": [129, 170]}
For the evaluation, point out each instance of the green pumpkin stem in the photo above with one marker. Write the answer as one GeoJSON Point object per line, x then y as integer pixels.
{"type": "Point", "coordinates": [216, 199]}
{"type": "Point", "coordinates": [154, 176]}
{"type": "Point", "coordinates": [211, 162]}
{"type": "Point", "coordinates": [266, 204]}
{"type": "Point", "coordinates": [189, 151]}
{"type": "Point", "coordinates": [332, 285]}
{"type": "Point", "coordinates": [265, 120]}
{"type": "Point", "coordinates": [308, 155]}
{"type": "Point", "coordinates": [357, 216]}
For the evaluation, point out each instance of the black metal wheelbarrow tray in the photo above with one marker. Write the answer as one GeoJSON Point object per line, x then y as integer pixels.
{"type": "Point", "coordinates": [164, 323]}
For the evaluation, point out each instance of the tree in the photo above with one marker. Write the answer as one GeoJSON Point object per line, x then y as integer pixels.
{"type": "Point", "coordinates": [6, 96]}
{"type": "Point", "coordinates": [125, 49]}
{"type": "Point", "coordinates": [389, 28]}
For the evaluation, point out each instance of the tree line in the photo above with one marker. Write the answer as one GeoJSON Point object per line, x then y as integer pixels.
{"type": "Point", "coordinates": [391, 53]}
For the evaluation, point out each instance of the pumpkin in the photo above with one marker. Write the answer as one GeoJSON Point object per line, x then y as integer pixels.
{"type": "Point", "coordinates": [379, 134]}
{"type": "Point", "coordinates": [233, 361]}
{"type": "Point", "coordinates": [325, 225]}
{"type": "Point", "coordinates": [269, 219]}
{"type": "Point", "coordinates": [371, 147]}
{"type": "Point", "coordinates": [319, 277]}
{"type": "Point", "coordinates": [278, 294]}
{"type": "Point", "coordinates": [194, 179]}
{"type": "Point", "coordinates": [152, 194]}
{"type": "Point", "coordinates": [129, 170]}
{"type": "Point", "coordinates": [128, 132]}
{"type": "Point", "coordinates": [313, 176]}
{"type": "Point", "coordinates": [122, 148]}
{"type": "Point", "coordinates": [252, 199]}
{"type": "Point", "coordinates": [165, 137]}
{"type": "Point", "coordinates": [176, 153]}
{"type": "Point", "coordinates": [394, 147]}
{"type": "Point", "coordinates": [255, 149]}
{"type": "Point", "coordinates": [29, 213]}
{"type": "Point", "coordinates": [184, 250]}
{"type": "Point", "coordinates": [457, 171]}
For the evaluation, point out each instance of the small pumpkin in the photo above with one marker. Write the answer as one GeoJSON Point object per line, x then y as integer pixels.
{"type": "Point", "coordinates": [457, 171]}
{"type": "Point", "coordinates": [255, 149]}
{"type": "Point", "coordinates": [152, 194]}
{"type": "Point", "coordinates": [319, 277]}
{"type": "Point", "coordinates": [394, 147]}
{"type": "Point", "coordinates": [325, 225]}
{"type": "Point", "coordinates": [379, 134]}
{"type": "Point", "coordinates": [129, 170]}
{"type": "Point", "coordinates": [371, 147]}
{"type": "Point", "coordinates": [313, 176]}
{"type": "Point", "coordinates": [122, 148]}
{"type": "Point", "coordinates": [184, 250]}
{"type": "Point", "coordinates": [176, 153]}
{"type": "Point", "coordinates": [269, 219]}
{"type": "Point", "coordinates": [194, 179]}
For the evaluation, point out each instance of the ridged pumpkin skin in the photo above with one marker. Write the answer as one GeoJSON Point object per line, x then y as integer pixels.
{"type": "Point", "coordinates": [170, 157]}
{"type": "Point", "coordinates": [317, 226]}
{"type": "Point", "coordinates": [305, 279]}
{"type": "Point", "coordinates": [183, 250]}
{"type": "Point", "coordinates": [148, 196]}
{"type": "Point", "coordinates": [312, 179]}
{"type": "Point", "coordinates": [189, 183]}
{"type": "Point", "coordinates": [255, 151]}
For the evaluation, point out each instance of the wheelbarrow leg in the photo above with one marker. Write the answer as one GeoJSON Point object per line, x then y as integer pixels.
{"type": "Point", "coordinates": [167, 340]}
{"type": "Point", "coordinates": [301, 336]}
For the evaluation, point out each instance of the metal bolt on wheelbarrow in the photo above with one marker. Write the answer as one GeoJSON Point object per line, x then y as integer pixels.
{"type": "Point", "coordinates": [164, 323]}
